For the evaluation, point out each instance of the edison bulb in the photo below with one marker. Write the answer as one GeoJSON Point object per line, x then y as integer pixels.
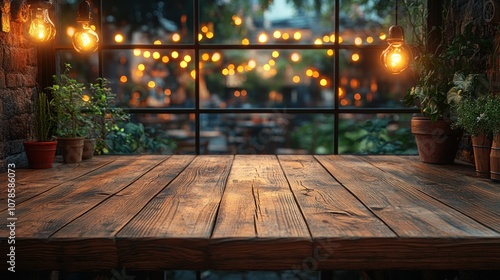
{"type": "Point", "coordinates": [41, 29]}
{"type": "Point", "coordinates": [85, 40]}
{"type": "Point", "coordinates": [395, 58]}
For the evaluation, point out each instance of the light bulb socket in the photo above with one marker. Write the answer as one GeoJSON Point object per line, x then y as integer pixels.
{"type": "Point", "coordinates": [84, 11]}
{"type": "Point", "coordinates": [396, 35]}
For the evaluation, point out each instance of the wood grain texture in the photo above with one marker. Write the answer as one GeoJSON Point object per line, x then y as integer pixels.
{"type": "Point", "coordinates": [255, 212]}
{"type": "Point", "coordinates": [258, 219]}
{"type": "Point", "coordinates": [472, 196]}
{"type": "Point", "coordinates": [174, 229]}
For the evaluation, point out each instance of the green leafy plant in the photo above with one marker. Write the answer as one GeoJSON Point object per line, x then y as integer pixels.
{"type": "Point", "coordinates": [102, 113]}
{"type": "Point", "coordinates": [68, 104]}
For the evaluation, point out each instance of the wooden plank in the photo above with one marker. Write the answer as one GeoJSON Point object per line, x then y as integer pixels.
{"type": "Point", "coordinates": [259, 225]}
{"type": "Point", "coordinates": [475, 197]}
{"type": "Point", "coordinates": [442, 233]}
{"type": "Point", "coordinates": [95, 230]}
{"type": "Point", "coordinates": [174, 228]}
{"type": "Point", "coordinates": [42, 216]}
{"type": "Point", "coordinates": [33, 182]}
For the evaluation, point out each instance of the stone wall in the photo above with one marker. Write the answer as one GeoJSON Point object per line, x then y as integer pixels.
{"type": "Point", "coordinates": [18, 72]}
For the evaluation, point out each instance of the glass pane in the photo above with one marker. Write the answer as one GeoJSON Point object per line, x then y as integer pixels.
{"type": "Point", "coordinates": [265, 22]}
{"type": "Point", "coordinates": [365, 84]}
{"type": "Point", "coordinates": [149, 134]}
{"type": "Point", "coordinates": [266, 79]}
{"type": "Point", "coordinates": [376, 134]}
{"type": "Point", "coordinates": [83, 68]}
{"type": "Point", "coordinates": [148, 22]}
{"type": "Point", "coordinates": [151, 78]}
{"type": "Point", "coordinates": [267, 133]}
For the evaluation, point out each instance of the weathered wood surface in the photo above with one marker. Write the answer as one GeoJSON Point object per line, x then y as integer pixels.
{"type": "Point", "coordinates": [253, 212]}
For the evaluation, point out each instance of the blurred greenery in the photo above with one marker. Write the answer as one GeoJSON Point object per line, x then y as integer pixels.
{"type": "Point", "coordinates": [132, 138]}
{"type": "Point", "coordinates": [372, 136]}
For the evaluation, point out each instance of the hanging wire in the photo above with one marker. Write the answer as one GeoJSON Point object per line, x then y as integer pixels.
{"type": "Point", "coordinates": [396, 12]}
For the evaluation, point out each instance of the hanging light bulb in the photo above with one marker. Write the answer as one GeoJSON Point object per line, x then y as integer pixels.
{"type": "Point", "coordinates": [85, 39]}
{"type": "Point", "coordinates": [396, 57]}
{"type": "Point", "coordinates": [41, 29]}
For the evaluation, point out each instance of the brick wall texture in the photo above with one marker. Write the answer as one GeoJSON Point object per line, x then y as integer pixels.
{"type": "Point", "coordinates": [18, 72]}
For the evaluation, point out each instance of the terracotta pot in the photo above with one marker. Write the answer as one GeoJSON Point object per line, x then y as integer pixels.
{"type": "Point", "coordinates": [436, 141]}
{"type": "Point", "coordinates": [40, 154]}
{"type": "Point", "coordinates": [71, 149]}
{"type": "Point", "coordinates": [481, 145]}
{"type": "Point", "coordinates": [495, 159]}
{"type": "Point", "coordinates": [89, 148]}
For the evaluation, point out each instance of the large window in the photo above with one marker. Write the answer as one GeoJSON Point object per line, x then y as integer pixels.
{"type": "Point", "coordinates": [247, 76]}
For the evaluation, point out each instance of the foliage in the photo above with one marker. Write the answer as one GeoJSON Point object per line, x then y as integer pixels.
{"type": "Point", "coordinates": [492, 111]}
{"type": "Point", "coordinates": [471, 115]}
{"type": "Point", "coordinates": [315, 136]}
{"type": "Point", "coordinates": [68, 104]}
{"type": "Point", "coordinates": [374, 137]}
{"type": "Point", "coordinates": [132, 138]}
{"type": "Point", "coordinates": [472, 85]}
{"type": "Point", "coordinates": [43, 118]}
{"type": "Point", "coordinates": [103, 113]}
{"type": "Point", "coordinates": [435, 70]}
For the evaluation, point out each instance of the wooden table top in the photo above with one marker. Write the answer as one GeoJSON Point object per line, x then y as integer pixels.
{"type": "Point", "coordinates": [253, 212]}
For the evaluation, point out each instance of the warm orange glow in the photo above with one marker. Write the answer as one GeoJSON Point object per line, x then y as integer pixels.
{"type": "Point", "coordinates": [205, 57]}
{"type": "Point", "coordinates": [252, 64]}
{"type": "Point", "coordinates": [165, 59]}
{"type": "Point", "coordinates": [266, 67]}
{"type": "Point", "coordinates": [41, 28]}
{"type": "Point", "coordinates": [315, 74]}
{"type": "Point", "coordinates": [382, 36]}
{"type": "Point", "coordinates": [200, 37]}
{"type": "Point", "coordinates": [193, 74]}
{"type": "Point", "coordinates": [187, 58]}
{"type": "Point", "coordinates": [277, 34]}
{"type": "Point", "coordinates": [141, 67]}
{"type": "Point", "coordinates": [354, 83]}
{"type": "Point", "coordinates": [225, 72]}
{"type": "Point", "coordinates": [344, 102]}
{"type": "Point", "coordinates": [332, 38]}
{"type": "Point", "coordinates": [139, 73]}
{"type": "Point", "coordinates": [183, 64]}
{"type": "Point", "coordinates": [176, 37]}
{"type": "Point", "coordinates": [86, 98]}
{"type": "Point", "coordinates": [119, 38]}
{"type": "Point", "coordinates": [85, 39]}
{"type": "Point", "coordinates": [309, 72]}
{"type": "Point", "coordinates": [330, 52]}
{"type": "Point", "coordinates": [245, 41]}
{"type": "Point", "coordinates": [210, 35]}
{"type": "Point", "coordinates": [146, 54]}
{"type": "Point", "coordinates": [151, 84]}
{"type": "Point", "coordinates": [123, 79]}
{"type": "Point", "coordinates": [275, 54]}
{"type": "Point", "coordinates": [216, 57]}
{"type": "Point", "coordinates": [357, 96]}
{"type": "Point", "coordinates": [326, 38]}
{"type": "Point", "coordinates": [70, 31]}
{"type": "Point", "coordinates": [137, 52]}
{"type": "Point", "coordinates": [297, 35]}
{"type": "Point", "coordinates": [175, 54]}
{"type": "Point", "coordinates": [395, 58]}
{"type": "Point", "coordinates": [204, 29]}
{"type": "Point", "coordinates": [156, 55]}
{"type": "Point", "coordinates": [369, 39]}
{"type": "Point", "coordinates": [355, 57]}
{"type": "Point", "coordinates": [285, 36]}
{"type": "Point", "coordinates": [237, 20]}
{"type": "Point", "coordinates": [323, 82]}
{"type": "Point", "coordinates": [343, 81]}
{"type": "Point", "coordinates": [240, 69]}
{"type": "Point", "coordinates": [262, 38]}
{"type": "Point", "coordinates": [272, 62]}
{"type": "Point", "coordinates": [157, 42]}
{"type": "Point", "coordinates": [237, 93]}
{"type": "Point", "coordinates": [244, 92]}
{"type": "Point", "coordinates": [296, 79]}
{"type": "Point", "coordinates": [318, 42]}
{"type": "Point", "coordinates": [295, 57]}
{"type": "Point", "coordinates": [358, 41]}
{"type": "Point", "coordinates": [167, 92]}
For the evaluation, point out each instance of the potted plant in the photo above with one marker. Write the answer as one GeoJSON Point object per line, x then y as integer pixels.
{"type": "Point", "coordinates": [493, 111]}
{"type": "Point", "coordinates": [470, 95]}
{"type": "Point", "coordinates": [41, 152]}
{"type": "Point", "coordinates": [437, 140]}
{"type": "Point", "coordinates": [67, 103]}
